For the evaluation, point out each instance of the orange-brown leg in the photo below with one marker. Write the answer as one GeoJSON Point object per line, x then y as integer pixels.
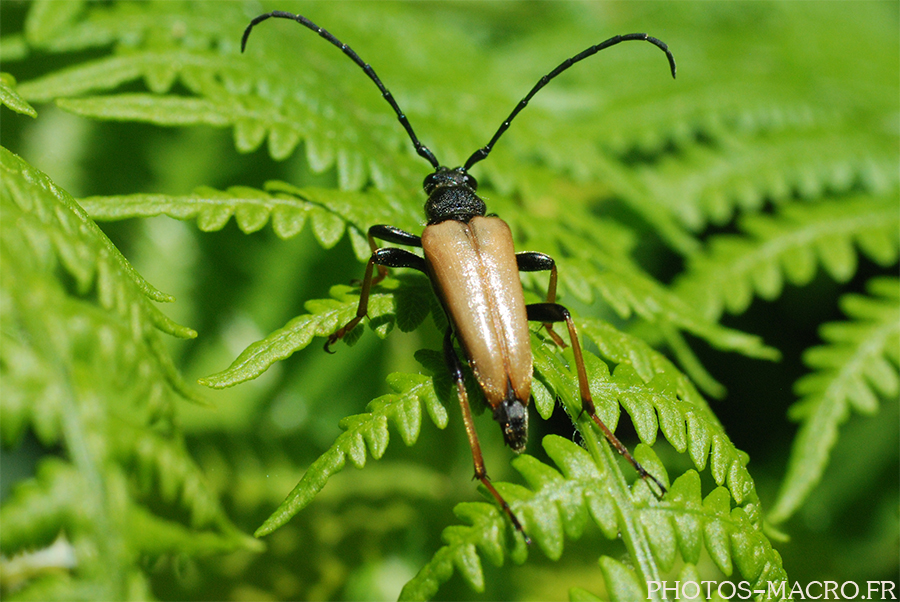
{"type": "Point", "coordinates": [383, 258]}
{"type": "Point", "coordinates": [553, 312]}
{"type": "Point", "coordinates": [456, 372]}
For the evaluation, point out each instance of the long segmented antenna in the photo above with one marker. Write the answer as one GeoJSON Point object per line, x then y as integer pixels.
{"type": "Point", "coordinates": [482, 152]}
{"type": "Point", "coordinates": [421, 149]}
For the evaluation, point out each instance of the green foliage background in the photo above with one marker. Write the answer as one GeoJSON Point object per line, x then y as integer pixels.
{"type": "Point", "coordinates": [731, 236]}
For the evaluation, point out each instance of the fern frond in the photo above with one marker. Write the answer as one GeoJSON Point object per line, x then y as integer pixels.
{"type": "Point", "coordinates": [13, 48]}
{"type": "Point", "coordinates": [643, 382]}
{"type": "Point", "coordinates": [560, 503]}
{"type": "Point", "coordinates": [630, 290]}
{"type": "Point", "coordinates": [78, 244]}
{"type": "Point", "coordinates": [83, 368]}
{"type": "Point", "coordinates": [46, 20]}
{"type": "Point", "coordinates": [150, 108]}
{"type": "Point", "coordinates": [622, 580]}
{"type": "Point", "coordinates": [55, 231]}
{"type": "Point", "coordinates": [108, 532]}
{"type": "Point", "coordinates": [789, 246]}
{"type": "Point", "coordinates": [857, 367]}
{"type": "Point", "coordinates": [657, 398]}
{"type": "Point", "coordinates": [402, 408]}
{"type": "Point", "coordinates": [289, 209]}
{"type": "Point", "coordinates": [646, 385]}
{"type": "Point", "coordinates": [404, 306]}
{"type": "Point", "coordinates": [10, 98]}
{"type": "Point", "coordinates": [49, 229]}
{"type": "Point", "coordinates": [85, 26]}
{"type": "Point", "coordinates": [54, 389]}
{"type": "Point", "coordinates": [819, 157]}
{"type": "Point", "coordinates": [247, 93]}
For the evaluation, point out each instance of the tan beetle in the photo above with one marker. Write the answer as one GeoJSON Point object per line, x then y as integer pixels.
{"type": "Point", "coordinates": [474, 269]}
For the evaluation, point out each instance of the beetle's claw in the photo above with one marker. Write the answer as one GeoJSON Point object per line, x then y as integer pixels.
{"type": "Point", "coordinates": [334, 339]}
{"type": "Point", "coordinates": [662, 488]}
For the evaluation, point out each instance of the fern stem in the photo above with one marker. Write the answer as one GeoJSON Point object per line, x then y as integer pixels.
{"type": "Point", "coordinates": [632, 533]}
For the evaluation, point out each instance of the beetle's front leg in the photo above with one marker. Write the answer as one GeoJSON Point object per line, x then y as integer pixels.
{"type": "Point", "coordinates": [553, 312]}
{"type": "Point", "coordinates": [394, 235]}
{"type": "Point", "coordinates": [531, 261]}
{"type": "Point", "coordinates": [387, 257]}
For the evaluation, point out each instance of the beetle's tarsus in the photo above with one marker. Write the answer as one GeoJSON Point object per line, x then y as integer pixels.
{"type": "Point", "coordinates": [623, 451]}
{"type": "Point", "coordinates": [339, 334]}
{"type": "Point", "coordinates": [662, 488]}
{"type": "Point", "coordinates": [504, 506]}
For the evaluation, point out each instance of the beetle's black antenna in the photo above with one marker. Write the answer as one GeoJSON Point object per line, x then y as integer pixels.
{"type": "Point", "coordinates": [421, 149]}
{"type": "Point", "coordinates": [482, 152]}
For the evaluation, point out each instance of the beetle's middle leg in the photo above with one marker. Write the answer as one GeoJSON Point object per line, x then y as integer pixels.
{"type": "Point", "coordinates": [553, 312]}
{"type": "Point", "coordinates": [387, 257]}
{"type": "Point", "coordinates": [456, 371]}
{"type": "Point", "coordinates": [531, 261]}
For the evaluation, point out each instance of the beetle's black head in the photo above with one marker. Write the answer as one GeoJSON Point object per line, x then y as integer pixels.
{"type": "Point", "coordinates": [451, 195]}
{"type": "Point", "coordinates": [512, 415]}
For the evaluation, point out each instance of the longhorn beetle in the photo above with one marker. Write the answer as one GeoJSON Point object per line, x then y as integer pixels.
{"type": "Point", "coordinates": [472, 264]}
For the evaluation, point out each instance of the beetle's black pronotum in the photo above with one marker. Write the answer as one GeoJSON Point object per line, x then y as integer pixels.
{"type": "Point", "coordinates": [474, 268]}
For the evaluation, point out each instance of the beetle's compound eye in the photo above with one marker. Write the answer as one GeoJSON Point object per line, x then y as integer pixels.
{"type": "Point", "coordinates": [471, 182]}
{"type": "Point", "coordinates": [512, 415]}
{"type": "Point", "coordinates": [430, 183]}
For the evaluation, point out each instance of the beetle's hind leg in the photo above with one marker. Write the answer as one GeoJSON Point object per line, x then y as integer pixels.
{"type": "Point", "coordinates": [531, 261]}
{"type": "Point", "coordinates": [387, 257]}
{"type": "Point", "coordinates": [456, 371]}
{"type": "Point", "coordinates": [553, 312]}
